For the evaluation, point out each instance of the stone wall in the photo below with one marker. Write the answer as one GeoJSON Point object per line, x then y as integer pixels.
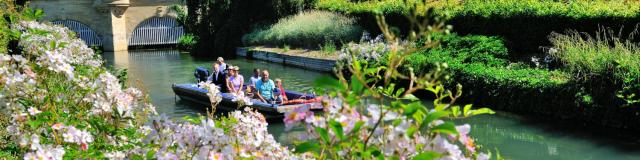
{"type": "Point", "coordinates": [304, 62]}
{"type": "Point", "coordinates": [109, 22]}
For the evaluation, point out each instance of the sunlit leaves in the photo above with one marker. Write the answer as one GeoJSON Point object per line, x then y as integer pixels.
{"type": "Point", "coordinates": [427, 156]}
{"type": "Point", "coordinates": [446, 127]}
{"type": "Point", "coordinates": [307, 146]}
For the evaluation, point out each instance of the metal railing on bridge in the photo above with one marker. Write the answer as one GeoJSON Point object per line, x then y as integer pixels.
{"type": "Point", "coordinates": [156, 31]}
{"type": "Point", "coordinates": [90, 37]}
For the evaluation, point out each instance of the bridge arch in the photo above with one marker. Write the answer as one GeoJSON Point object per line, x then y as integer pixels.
{"type": "Point", "coordinates": [156, 31]}
{"type": "Point", "coordinates": [83, 31]}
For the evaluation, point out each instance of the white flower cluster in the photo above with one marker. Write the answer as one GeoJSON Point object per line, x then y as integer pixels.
{"type": "Point", "coordinates": [57, 50]}
{"type": "Point", "coordinates": [46, 152]}
{"type": "Point", "coordinates": [246, 138]}
{"type": "Point", "coordinates": [110, 96]}
{"type": "Point", "coordinates": [49, 58]}
{"type": "Point", "coordinates": [392, 139]}
{"type": "Point", "coordinates": [16, 76]}
{"type": "Point", "coordinates": [73, 135]}
{"type": "Point", "coordinates": [213, 92]}
{"type": "Point", "coordinates": [367, 49]}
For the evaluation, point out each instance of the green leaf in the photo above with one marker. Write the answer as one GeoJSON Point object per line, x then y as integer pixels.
{"type": "Point", "coordinates": [389, 89]}
{"type": "Point", "coordinates": [324, 134]}
{"type": "Point", "coordinates": [434, 115]}
{"type": "Point", "coordinates": [412, 108]}
{"type": "Point", "coordinates": [34, 124]}
{"type": "Point", "coordinates": [337, 129]}
{"type": "Point", "coordinates": [410, 97]}
{"type": "Point", "coordinates": [307, 146]}
{"type": "Point", "coordinates": [398, 92]}
{"type": "Point", "coordinates": [466, 109]}
{"type": "Point", "coordinates": [356, 127]}
{"type": "Point", "coordinates": [411, 130]}
{"type": "Point", "coordinates": [356, 86]}
{"type": "Point", "coordinates": [328, 82]}
{"type": "Point", "coordinates": [429, 155]}
{"type": "Point", "coordinates": [455, 111]}
{"type": "Point", "coordinates": [446, 127]}
{"type": "Point", "coordinates": [193, 120]}
{"type": "Point", "coordinates": [481, 111]}
{"type": "Point", "coordinates": [52, 45]}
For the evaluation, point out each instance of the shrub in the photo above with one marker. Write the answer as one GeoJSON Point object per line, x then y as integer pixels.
{"type": "Point", "coordinates": [307, 29]}
{"type": "Point", "coordinates": [460, 50]}
{"type": "Point", "coordinates": [510, 19]}
{"type": "Point", "coordinates": [603, 54]}
{"type": "Point", "coordinates": [499, 8]}
{"type": "Point", "coordinates": [187, 42]}
{"type": "Point", "coordinates": [606, 59]}
{"type": "Point", "coordinates": [329, 47]}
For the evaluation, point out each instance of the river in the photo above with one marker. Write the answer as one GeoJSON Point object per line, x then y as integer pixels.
{"type": "Point", "coordinates": [515, 137]}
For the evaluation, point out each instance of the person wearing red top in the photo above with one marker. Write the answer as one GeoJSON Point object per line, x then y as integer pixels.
{"type": "Point", "coordinates": [284, 100]}
{"type": "Point", "coordinates": [283, 96]}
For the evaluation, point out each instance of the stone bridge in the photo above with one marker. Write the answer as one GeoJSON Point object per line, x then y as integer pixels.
{"type": "Point", "coordinates": [116, 25]}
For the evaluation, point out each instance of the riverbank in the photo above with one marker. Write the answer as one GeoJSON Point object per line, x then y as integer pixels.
{"type": "Point", "coordinates": [308, 59]}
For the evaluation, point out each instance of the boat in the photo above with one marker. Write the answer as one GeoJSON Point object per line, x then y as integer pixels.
{"type": "Point", "coordinates": [191, 92]}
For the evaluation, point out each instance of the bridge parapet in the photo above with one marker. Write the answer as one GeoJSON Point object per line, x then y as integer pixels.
{"type": "Point", "coordinates": [114, 21]}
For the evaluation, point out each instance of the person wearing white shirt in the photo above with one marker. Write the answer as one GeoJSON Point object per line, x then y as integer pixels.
{"type": "Point", "coordinates": [223, 66]}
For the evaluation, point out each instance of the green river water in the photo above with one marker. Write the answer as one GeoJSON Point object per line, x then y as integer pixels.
{"type": "Point", "coordinates": [516, 137]}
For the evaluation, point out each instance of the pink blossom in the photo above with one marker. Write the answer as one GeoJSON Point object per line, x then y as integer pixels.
{"type": "Point", "coordinates": [33, 111]}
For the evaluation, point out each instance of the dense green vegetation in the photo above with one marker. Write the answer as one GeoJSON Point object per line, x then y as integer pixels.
{"type": "Point", "coordinates": [594, 76]}
{"type": "Point", "coordinates": [307, 29]}
{"type": "Point", "coordinates": [220, 24]}
{"type": "Point", "coordinates": [524, 24]}
{"type": "Point", "coordinates": [186, 42]}
{"type": "Point", "coordinates": [500, 8]}
{"type": "Point", "coordinates": [605, 59]}
{"type": "Point", "coordinates": [481, 62]}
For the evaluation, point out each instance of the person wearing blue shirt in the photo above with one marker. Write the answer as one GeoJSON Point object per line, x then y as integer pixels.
{"type": "Point", "coordinates": [265, 88]}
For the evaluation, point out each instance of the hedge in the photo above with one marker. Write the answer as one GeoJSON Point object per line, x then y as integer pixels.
{"type": "Point", "coordinates": [478, 63]}
{"type": "Point", "coordinates": [524, 24]}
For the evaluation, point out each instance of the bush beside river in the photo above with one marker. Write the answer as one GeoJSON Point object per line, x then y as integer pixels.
{"type": "Point", "coordinates": [524, 24]}
{"type": "Point", "coordinates": [592, 82]}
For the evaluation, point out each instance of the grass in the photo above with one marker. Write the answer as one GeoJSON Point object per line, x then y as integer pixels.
{"type": "Point", "coordinates": [307, 29]}
{"type": "Point", "coordinates": [602, 54]}
{"type": "Point", "coordinates": [500, 8]}
{"type": "Point", "coordinates": [329, 47]}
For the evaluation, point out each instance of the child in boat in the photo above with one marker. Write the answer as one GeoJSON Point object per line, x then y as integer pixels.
{"type": "Point", "coordinates": [282, 97]}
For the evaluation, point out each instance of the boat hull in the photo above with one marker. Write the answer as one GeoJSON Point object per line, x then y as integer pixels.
{"type": "Point", "coordinates": [191, 92]}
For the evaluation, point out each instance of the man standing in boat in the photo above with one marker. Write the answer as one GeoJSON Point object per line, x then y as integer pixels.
{"type": "Point", "coordinates": [218, 78]}
{"type": "Point", "coordinates": [223, 66]}
{"type": "Point", "coordinates": [265, 88]}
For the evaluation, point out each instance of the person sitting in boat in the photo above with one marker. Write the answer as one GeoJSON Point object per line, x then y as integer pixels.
{"type": "Point", "coordinates": [218, 78]}
{"type": "Point", "coordinates": [223, 66]}
{"type": "Point", "coordinates": [235, 80]}
{"type": "Point", "coordinates": [252, 80]}
{"type": "Point", "coordinates": [283, 99]}
{"type": "Point", "coordinates": [265, 88]}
